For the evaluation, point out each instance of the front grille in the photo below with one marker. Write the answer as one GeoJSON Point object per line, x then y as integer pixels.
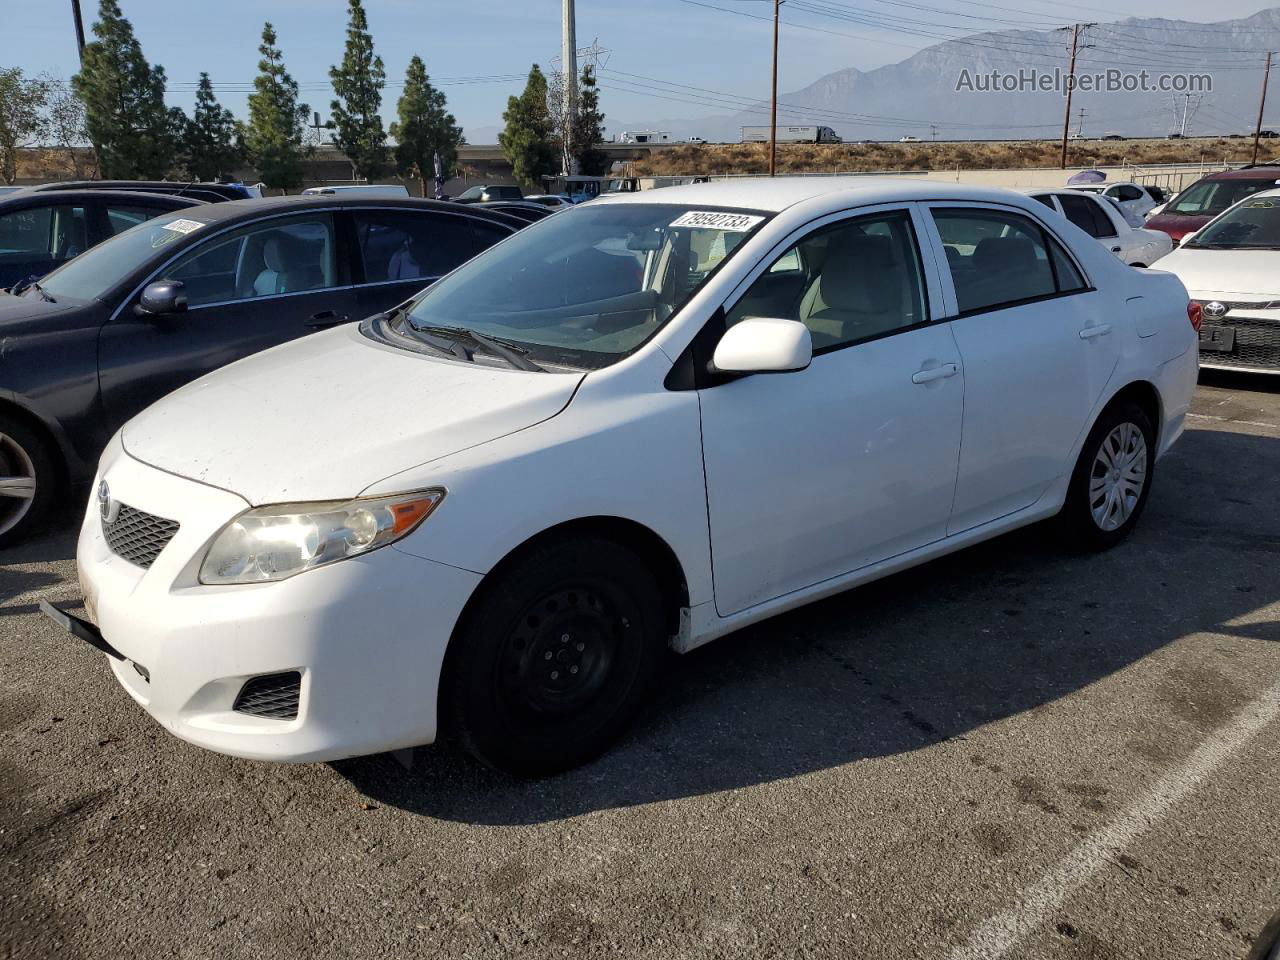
{"type": "Point", "coordinates": [272, 695]}
{"type": "Point", "coordinates": [1257, 344]}
{"type": "Point", "coordinates": [137, 536]}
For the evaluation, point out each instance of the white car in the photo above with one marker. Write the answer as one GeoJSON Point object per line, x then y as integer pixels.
{"type": "Point", "coordinates": [1132, 197]}
{"type": "Point", "coordinates": [553, 200]}
{"type": "Point", "coordinates": [1101, 218]}
{"type": "Point", "coordinates": [1231, 266]}
{"type": "Point", "coordinates": [643, 423]}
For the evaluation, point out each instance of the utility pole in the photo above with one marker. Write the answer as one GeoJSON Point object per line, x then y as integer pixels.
{"type": "Point", "coordinates": [773, 116]}
{"type": "Point", "coordinates": [75, 14]}
{"type": "Point", "coordinates": [1262, 105]}
{"type": "Point", "coordinates": [569, 63]}
{"type": "Point", "coordinates": [933, 131]}
{"type": "Point", "coordinates": [1075, 29]}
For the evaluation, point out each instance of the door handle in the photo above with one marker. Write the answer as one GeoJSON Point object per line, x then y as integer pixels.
{"type": "Point", "coordinates": [326, 318]}
{"type": "Point", "coordinates": [1115, 249]}
{"type": "Point", "coordinates": [1101, 330]}
{"type": "Point", "coordinates": [935, 373]}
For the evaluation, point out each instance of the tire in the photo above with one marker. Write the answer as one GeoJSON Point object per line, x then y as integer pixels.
{"type": "Point", "coordinates": [28, 479]}
{"type": "Point", "coordinates": [1102, 504]}
{"type": "Point", "coordinates": [555, 657]}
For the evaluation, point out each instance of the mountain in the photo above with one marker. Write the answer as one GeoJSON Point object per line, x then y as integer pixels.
{"type": "Point", "coordinates": [906, 98]}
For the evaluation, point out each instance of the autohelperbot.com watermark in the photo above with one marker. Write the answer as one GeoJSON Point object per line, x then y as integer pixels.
{"type": "Point", "coordinates": [1111, 80]}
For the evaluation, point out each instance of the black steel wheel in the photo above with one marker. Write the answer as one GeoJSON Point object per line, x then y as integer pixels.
{"type": "Point", "coordinates": [555, 656]}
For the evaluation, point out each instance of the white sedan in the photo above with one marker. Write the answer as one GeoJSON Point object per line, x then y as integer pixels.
{"type": "Point", "coordinates": [1136, 198]}
{"type": "Point", "coordinates": [1102, 219]}
{"type": "Point", "coordinates": [638, 425]}
{"type": "Point", "coordinates": [1231, 265]}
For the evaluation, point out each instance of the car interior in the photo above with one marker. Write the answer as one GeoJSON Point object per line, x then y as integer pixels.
{"type": "Point", "coordinates": [260, 262]}
{"type": "Point", "coordinates": [846, 283]}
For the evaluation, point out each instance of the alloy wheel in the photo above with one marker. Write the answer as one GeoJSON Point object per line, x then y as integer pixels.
{"type": "Point", "coordinates": [17, 483]}
{"type": "Point", "coordinates": [1118, 476]}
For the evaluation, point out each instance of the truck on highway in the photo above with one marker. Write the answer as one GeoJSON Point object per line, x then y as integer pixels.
{"type": "Point", "coordinates": [791, 135]}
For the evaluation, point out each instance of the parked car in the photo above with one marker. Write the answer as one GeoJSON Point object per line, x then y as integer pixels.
{"type": "Point", "coordinates": [521, 210]}
{"type": "Point", "coordinates": [146, 311]}
{"type": "Point", "coordinates": [1101, 218]}
{"type": "Point", "coordinates": [492, 510]}
{"type": "Point", "coordinates": [1135, 198]}
{"type": "Point", "coordinates": [359, 190]}
{"type": "Point", "coordinates": [40, 231]}
{"type": "Point", "coordinates": [1232, 267]}
{"type": "Point", "coordinates": [214, 192]}
{"type": "Point", "coordinates": [485, 192]}
{"type": "Point", "coordinates": [553, 200]}
{"type": "Point", "coordinates": [1209, 196]}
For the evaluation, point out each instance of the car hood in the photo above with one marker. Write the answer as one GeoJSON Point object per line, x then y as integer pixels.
{"type": "Point", "coordinates": [20, 311]}
{"type": "Point", "coordinates": [324, 417]}
{"type": "Point", "coordinates": [1246, 274]}
{"type": "Point", "coordinates": [1176, 225]}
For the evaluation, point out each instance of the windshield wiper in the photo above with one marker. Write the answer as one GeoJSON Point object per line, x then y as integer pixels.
{"type": "Point", "coordinates": [35, 285]}
{"type": "Point", "coordinates": [510, 352]}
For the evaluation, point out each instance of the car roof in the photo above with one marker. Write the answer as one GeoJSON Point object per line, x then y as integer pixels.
{"type": "Point", "coordinates": [253, 208]}
{"type": "Point", "coordinates": [139, 196]}
{"type": "Point", "coordinates": [778, 193]}
{"type": "Point", "coordinates": [1247, 173]}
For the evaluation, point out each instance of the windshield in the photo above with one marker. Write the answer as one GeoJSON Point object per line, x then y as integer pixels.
{"type": "Point", "coordinates": [1254, 224]}
{"type": "Point", "coordinates": [1211, 197]}
{"type": "Point", "coordinates": [95, 272]}
{"type": "Point", "coordinates": [588, 286]}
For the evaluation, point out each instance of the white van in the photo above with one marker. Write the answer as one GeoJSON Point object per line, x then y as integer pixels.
{"type": "Point", "coordinates": [359, 190]}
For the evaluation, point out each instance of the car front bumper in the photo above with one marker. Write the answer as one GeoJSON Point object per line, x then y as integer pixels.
{"type": "Point", "coordinates": [365, 636]}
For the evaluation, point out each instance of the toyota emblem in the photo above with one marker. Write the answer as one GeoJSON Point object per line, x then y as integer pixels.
{"type": "Point", "coordinates": [1215, 309]}
{"type": "Point", "coordinates": [108, 509]}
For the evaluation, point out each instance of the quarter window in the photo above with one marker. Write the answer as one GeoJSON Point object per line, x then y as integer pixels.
{"type": "Point", "coordinates": [846, 282]}
{"type": "Point", "coordinates": [998, 259]}
{"type": "Point", "coordinates": [261, 260]}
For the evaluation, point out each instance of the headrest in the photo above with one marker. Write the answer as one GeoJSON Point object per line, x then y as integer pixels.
{"type": "Point", "coordinates": [1005, 254]}
{"type": "Point", "coordinates": [278, 252]}
{"type": "Point", "coordinates": [859, 274]}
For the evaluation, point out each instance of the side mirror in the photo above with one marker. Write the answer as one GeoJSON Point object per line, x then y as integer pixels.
{"type": "Point", "coordinates": [1156, 210]}
{"type": "Point", "coordinates": [763, 345]}
{"type": "Point", "coordinates": [163, 297]}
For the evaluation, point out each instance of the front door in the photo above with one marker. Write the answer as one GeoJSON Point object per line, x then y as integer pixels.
{"type": "Point", "coordinates": [1037, 356]}
{"type": "Point", "coordinates": [815, 473]}
{"type": "Point", "coordinates": [249, 289]}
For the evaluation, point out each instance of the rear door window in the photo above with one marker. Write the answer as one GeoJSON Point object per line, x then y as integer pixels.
{"type": "Point", "coordinates": [1000, 259]}
{"type": "Point", "coordinates": [122, 216]}
{"type": "Point", "coordinates": [410, 245]}
{"type": "Point", "coordinates": [1087, 214]}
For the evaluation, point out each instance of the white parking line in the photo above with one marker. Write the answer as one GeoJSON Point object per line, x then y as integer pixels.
{"type": "Point", "coordinates": [996, 936]}
{"type": "Point", "coordinates": [1243, 423]}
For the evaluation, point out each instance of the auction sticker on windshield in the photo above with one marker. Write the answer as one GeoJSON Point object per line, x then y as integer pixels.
{"type": "Point", "coordinates": [711, 220]}
{"type": "Point", "coordinates": [184, 226]}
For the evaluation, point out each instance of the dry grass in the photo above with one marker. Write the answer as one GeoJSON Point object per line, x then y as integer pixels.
{"type": "Point", "coordinates": [852, 158]}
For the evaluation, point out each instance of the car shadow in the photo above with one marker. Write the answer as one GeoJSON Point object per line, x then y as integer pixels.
{"type": "Point", "coordinates": [925, 656]}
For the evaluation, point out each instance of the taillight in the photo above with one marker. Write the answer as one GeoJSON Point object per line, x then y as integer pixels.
{"type": "Point", "coordinates": [1195, 313]}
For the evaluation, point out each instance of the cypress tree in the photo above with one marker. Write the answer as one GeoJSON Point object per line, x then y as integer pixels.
{"type": "Point", "coordinates": [131, 130]}
{"type": "Point", "coordinates": [273, 138]}
{"type": "Point", "coordinates": [358, 84]}
{"type": "Point", "coordinates": [424, 128]}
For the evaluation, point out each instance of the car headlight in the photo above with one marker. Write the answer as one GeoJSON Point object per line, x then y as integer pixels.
{"type": "Point", "coordinates": [282, 540]}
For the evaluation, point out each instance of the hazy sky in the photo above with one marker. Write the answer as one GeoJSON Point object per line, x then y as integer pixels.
{"type": "Point", "coordinates": [677, 41]}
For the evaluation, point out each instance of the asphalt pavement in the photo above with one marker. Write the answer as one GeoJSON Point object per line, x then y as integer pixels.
{"type": "Point", "coordinates": [1015, 751]}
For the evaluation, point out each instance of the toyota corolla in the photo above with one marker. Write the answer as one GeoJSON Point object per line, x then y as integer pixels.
{"type": "Point", "coordinates": [635, 426]}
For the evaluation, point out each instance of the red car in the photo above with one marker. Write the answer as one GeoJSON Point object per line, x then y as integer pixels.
{"type": "Point", "coordinates": [1209, 196]}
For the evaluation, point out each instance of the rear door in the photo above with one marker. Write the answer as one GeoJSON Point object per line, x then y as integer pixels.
{"type": "Point", "coordinates": [1038, 353]}
{"type": "Point", "coordinates": [400, 251]}
{"type": "Point", "coordinates": [249, 288]}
